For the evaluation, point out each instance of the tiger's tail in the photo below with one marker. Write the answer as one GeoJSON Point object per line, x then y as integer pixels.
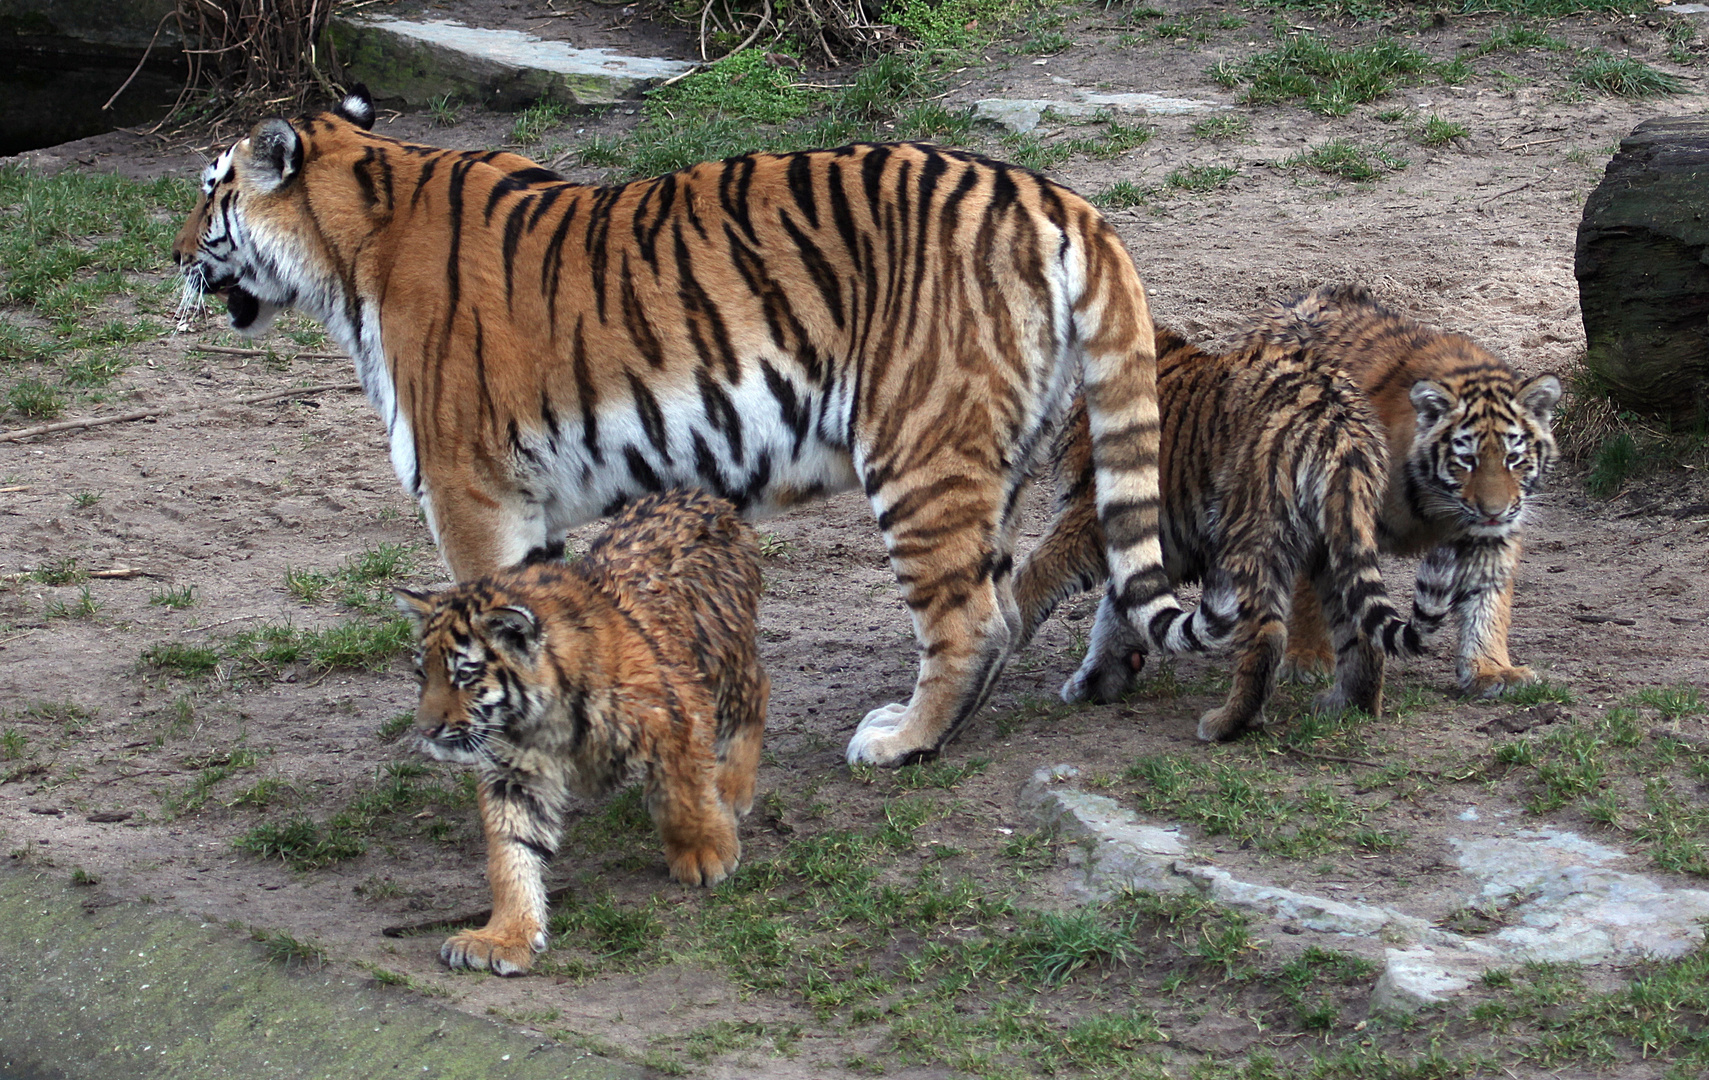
{"type": "Point", "coordinates": [1357, 579]}
{"type": "Point", "coordinates": [1119, 372]}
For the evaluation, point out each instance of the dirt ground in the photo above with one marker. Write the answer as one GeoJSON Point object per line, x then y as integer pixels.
{"type": "Point", "coordinates": [225, 497]}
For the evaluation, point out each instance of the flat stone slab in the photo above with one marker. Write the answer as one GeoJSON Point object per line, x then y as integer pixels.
{"type": "Point", "coordinates": [420, 62]}
{"type": "Point", "coordinates": [1558, 896]}
{"type": "Point", "coordinates": [1568, 905]}
{"type": "Point", "coordinates": [1024, 114]}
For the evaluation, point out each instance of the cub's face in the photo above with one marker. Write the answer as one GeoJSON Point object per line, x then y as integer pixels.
{"type": "Point", "coordinates": [475, 668]}
{"type": "Point", "coordinates": [1481, 449]}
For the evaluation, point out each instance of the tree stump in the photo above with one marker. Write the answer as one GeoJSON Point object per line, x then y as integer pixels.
{"type": "Point", "coordinates": [1642, 274]}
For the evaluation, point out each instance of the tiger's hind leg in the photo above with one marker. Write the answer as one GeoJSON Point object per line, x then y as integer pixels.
{"type": "Point", "coordinates": [1310, 654]}
{"type": "Point", "coordinates": [741, 730]}
{"type": "Point", "coordinates": [1359, 660]}
{"type": "Point", "coordinates": [698, 826]}
{"type": "Point", "coordinates": [1260, 637]}
{"type": "Point", "coordinates": [957, 578]}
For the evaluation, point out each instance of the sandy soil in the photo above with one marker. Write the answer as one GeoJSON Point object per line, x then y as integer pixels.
{"type": "Point", "coordinates": [225, 497]}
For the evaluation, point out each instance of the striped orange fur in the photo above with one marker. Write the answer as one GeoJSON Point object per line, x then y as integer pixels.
{"type": "Point", "coordinates": [1273, 466]}
{"type": "Point", "coordinates": [900, 318]}
{"type": "Point", "coordinates": [636, 662]}
{"type": "Point", "coordinates": [1469, 442]}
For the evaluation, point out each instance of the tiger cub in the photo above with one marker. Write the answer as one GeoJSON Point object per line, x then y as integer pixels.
{"type": "Point", "coordinates": [1272, 466]}
{"type": "Point", "coordinates": [638, 661]}
{"type": "Point", "coordinates": [1469, 443]}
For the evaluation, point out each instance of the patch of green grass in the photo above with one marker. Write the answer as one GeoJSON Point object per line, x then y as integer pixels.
{"type": "Point", "coordinates": [1540, 692]}
{"type": "Point", "coordinates": [939, 774]}
{"type": "Point", "coordinates": [282, 948]}
{"type": "Point", "coordinates": [36, 400]}
{"type": "Point", "coordinates": [1223, 128]}
{"type": "Point", "coordinates": [12, 744]}
{"type": "Point", "coordinates": [743, 86]}
{"type": "Point", "coordinates": [214, 770]}
{"type": "Point", "coordinates": [1516, 38]}
{"type": "Point", "coordinates": [955, 24]}
{"type": "Point", "coordinates": [612, 932]}
{"type": "Point", "coordinates": [1608, 767]}
{"type": "Point", "coordinates": [60, 571]}
{"type": "Point", "coordinates": [188, 660]}
{"type": "Point", "coordinates": [1613, 463]}
{"type": "Point", "coordinates": [173, 598]}
{"type": "Point", "coordinates": [1048, 43]}
{"type": "Point", "coordinates": [389, 803]}
{"type": "Point", "coordinates": [1121, 195]}
{"type": "Point", "coordinates": [1624, 77]}
{"type": "Point", "coordinates": [532, 123]}
{"type": "Point", "coordinates": [447, 111]}
{"type": "Point", "coordinates": [1325, 79]}
{"type": "Point", "coordinates": [1347, 160]}
{"type": "Point", "coordinates": [1673, 702]}
{"type": "Point", "coordinates": [1437, 131]}
{"type": "Point", "coordinates": [1272, 810]}
{"type": "Point", "coordinates": [1200, 178]}
{"type": "Point", "coordinates": [393, 729]}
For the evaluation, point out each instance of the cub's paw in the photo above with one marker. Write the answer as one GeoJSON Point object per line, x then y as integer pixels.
{"type": "Point", "coordinates": [1102, 680]}
{"type": "Point", "coordinates": [1305, 666]}
{"type": "Point", "coordinates": [1222, 725]}
{"type": "Point", "coordinates": [888, 717]}
{"type": "Point", "coordinates": [1481, 680]}
{"type": "Point", "coordinates": [499, 953]}
{"type": "Point", "coordinates": [706, 865]}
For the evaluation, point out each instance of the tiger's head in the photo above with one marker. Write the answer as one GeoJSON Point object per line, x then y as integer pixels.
{"type": "Point", "coordinates": [1483, 443]}
{"type": "Point", "coordinates": [477, 658]}
{"type": "Point", "coordinates": [253, 237]}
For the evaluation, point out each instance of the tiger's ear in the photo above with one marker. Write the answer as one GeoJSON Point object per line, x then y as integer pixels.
{"type": "Point", "coordinates": [1539, 397]}
{"type": "Point", "coordinates": [275, 154]}
{"type": "Point", "coordinates": [1430, 400]}
{"type": "Point", "coordinates": [357, 107]}
{"type": "Point", "coordinates": [416, 606]}
{"type": "Point", "coordinates": [512, 628]}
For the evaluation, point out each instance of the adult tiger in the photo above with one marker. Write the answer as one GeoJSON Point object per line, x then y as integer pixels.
{"type": "Point", "coordinates": [905, 318]}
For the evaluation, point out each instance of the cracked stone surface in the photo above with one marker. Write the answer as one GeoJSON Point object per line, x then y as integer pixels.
{"type": "Point", "coordinates": [1022, 115]}
{"type": "Point", "coordinates": [417, 62]}
{"type": "Point", "coordinates": [1570, 906]}
{"type": "Point", "coordinates": [1555, 891]}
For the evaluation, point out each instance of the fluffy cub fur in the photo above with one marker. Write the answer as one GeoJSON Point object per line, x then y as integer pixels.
{"type": "Point", "coordinates": [637, 662]}
{"type": "Point", "coordinates": [1273, 466]}
{"type": "Point", "coordinates": [1469, 443]}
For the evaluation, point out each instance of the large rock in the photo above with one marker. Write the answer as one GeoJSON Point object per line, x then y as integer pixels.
{"type": "Point", "coordinates": [98, 27]}
{"type": "Point", "coordinates": [418, 62]}
{"type": "Point", "coordinates": [1643, 282]}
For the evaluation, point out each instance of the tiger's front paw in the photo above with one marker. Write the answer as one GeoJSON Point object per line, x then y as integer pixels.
{"type": "Point", "coordinates": [882, 739]}
{"type": "Point", "coordinates": [1103, 679]}
{"type": "Point", "coordinates": [705, 865]}
{"type": "Point", "coordinates": [1481, 679]}
{"type": "Point", "coordinates": [495, 951]}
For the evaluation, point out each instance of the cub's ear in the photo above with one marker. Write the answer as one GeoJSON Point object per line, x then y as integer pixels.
{"type": "Point", "coordinates": [357, 107]}
{"type": "Point", "coordinates": [513, 629]}
{"type": "Point", "coordinates": [1539, 397]}
{"type": "Point", "coordinates": [1430, 400]}
{"type": "Point", "coordinates": [416, 606]}
{"type": "Point", "coordinates": [275, 154]}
